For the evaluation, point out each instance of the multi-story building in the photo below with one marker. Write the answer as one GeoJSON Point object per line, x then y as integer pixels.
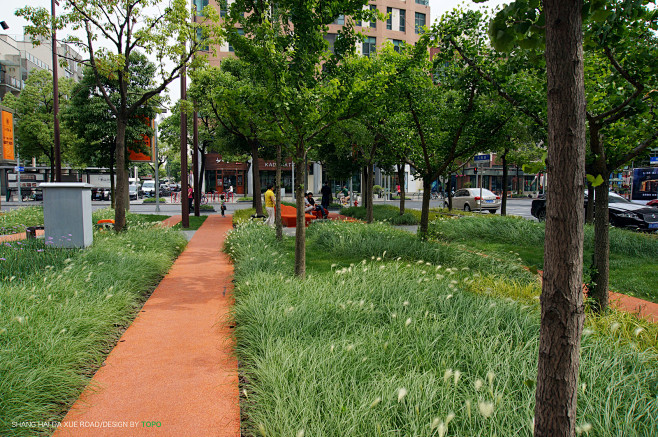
{"type": "Point", "coordinates": [18, 57]}
{"type": "Point", "coordinates": [405, 19]}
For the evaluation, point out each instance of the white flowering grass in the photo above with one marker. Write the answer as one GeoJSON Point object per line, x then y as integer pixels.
{"type": "Point", "coordinates": [57, 324]}
{"type": "Point", "coordinates": [334, 367]}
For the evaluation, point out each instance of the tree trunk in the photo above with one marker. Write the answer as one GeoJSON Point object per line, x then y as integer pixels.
{"type": "Point", "coordinates": [503, 202]}
{"type": "Point", "coordinates": [277, 186]}
{"type": "Point", "coordinates": [370, 177]}
{"type": "Point", "coordinates": [601, 261]}
{"type": "Point", "coordinates": [257, 201]}
{"type": "Point", "coordinates": [122, 197]}
{"type": "Point", "coordinates": [300, 231]}
{"type": "Point", "coordinates": [589, 211]}
{"type": "Point", "coordinates": [112, 184]}
{"type": "Point", "coordinates": [425, 211]}
{"type": "Point", "coordinates": [403, 193]}
{"type": "Point", "coordinates": [367, 198]}
{"type": "Point", "coordinates": [449, 192]}
{"type": "Point", "coordinates": [519, 185]}
{"type": "Point", "coordinates": [562, 313]}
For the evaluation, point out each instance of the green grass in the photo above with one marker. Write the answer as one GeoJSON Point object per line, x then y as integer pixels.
{"type": "Point", "coordinates": [59, 319]}
{"type": "Point", "coordinates": [632, 255]}
{"type": "Point", "coordinates": [18, 219]}
{"type": "Point", "coordinates": [370, 345]}
{"type": "Point", "coordinates": [391, 214]}
{"type": "Point", "coordinates": [195, 223]}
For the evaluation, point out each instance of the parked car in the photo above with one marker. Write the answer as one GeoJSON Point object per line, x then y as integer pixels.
{"type": "Point", "coordinates": [148, 188]}
{"type": "Point", "coordinates": [622, 213]}
{"type": "Point", "coordinates": [133, 191]}
{"type": "Point", "coordinates": [469, 199]}
{"type": "Point", "coordinates": [100, 194]}
{"type": "Point", "coordinates": [164, 189]}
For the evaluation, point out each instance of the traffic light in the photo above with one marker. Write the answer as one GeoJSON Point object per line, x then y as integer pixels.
{"type": "Point", "coordinates": [475, 170]}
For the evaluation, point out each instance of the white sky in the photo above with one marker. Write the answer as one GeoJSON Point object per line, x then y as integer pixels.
{"type": "Point", "coordinates": [437, 8]}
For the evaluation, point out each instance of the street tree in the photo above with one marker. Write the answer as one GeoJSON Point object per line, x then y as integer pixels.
{"type": "Point", "coordinates": [113, 30]}
{"type": "Point", "coordinates": [34, 111]}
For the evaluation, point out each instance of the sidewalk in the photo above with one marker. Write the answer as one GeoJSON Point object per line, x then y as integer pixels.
{"type": "Point", "coordinates": [173, 372]}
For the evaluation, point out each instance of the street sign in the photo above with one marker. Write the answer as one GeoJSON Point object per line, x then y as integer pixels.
{"type": "Point", "coordinates": [21, 168]}
{"type": "Point", "coordinates": [482, 158]}
{"type": "Point", "coordinates": [653, 160]}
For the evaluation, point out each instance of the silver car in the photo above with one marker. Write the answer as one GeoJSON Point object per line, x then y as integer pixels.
{"type": "Point", "coordinates": [469, 199]}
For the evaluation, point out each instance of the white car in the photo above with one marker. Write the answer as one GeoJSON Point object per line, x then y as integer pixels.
{"type": "Point", "coordinates": [469, 199]}
{"type": "Point", "coordinates": [148, 188]}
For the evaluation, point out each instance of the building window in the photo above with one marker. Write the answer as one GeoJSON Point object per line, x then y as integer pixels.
{"type": "Point", "coordinates": [389, 19]}
{"type": "Point", "coordinates": [230, 47]}
{"type": "Point", "coordinates": [200, 4]}
{"type": "Point", "coordinates": [397, 43]}
{"type": "Point", "coordinates": [200, 39]}
{"type": "Point", "coordinates": [373, 23]}
{"type": "Point", "coordinates": [369, 45]}
{"type": "Point", "coordinates": [331, 39]}
{"type": "Point", "coordinates": [403, 20]}
{"type": "Point", "coordinates": [340, 20]}
{"type": "Point", "coordinates": [423, 2]}
{"type": "Point", "coordinates": [420, 22]}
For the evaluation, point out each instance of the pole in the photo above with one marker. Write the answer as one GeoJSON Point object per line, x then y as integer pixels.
{"type": "Point", "coordinates": [157, 167]}
{"type": "Point", "coordinates": [480, 185]}
{"type": "Point", "coordinates": [58, 161]}
{"type": "Point", "coordinates": [18, 177]}
{"type": "Point", "coordinates": [195, 164]}
{"type": "Point", "coordinates": [293, 181]}
{"type": "Point", "coordinates": [185, 208]}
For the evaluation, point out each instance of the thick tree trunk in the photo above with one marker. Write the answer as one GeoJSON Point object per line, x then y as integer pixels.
{"type": "Point", "coordinates": [403, 193]}
{"type": "Point", "coordinates": [562, 313]}
{"type": "Point", "coordinates": [601, 261]}
{"type": "Point", "coordinates": [503, 202]}
{"type": "Point", "coordinates": [300, 231]}
{"type": "Point", "coordinates": [366, 197]}
{"type": "Point", "coordinates": [589, 211]}
{"type": "Point", "coordinates": [122, 197]}
{"type": "Point", "coordinates": [519, 184]}
{"type": "Point", "coordinates": [112, 184]}
{"type": "Point", "coordinates": [425, 211]}
{"type": "Point", "coordinates": [257, 201]}
{"type": "Point", "coordinates": [277, 186]}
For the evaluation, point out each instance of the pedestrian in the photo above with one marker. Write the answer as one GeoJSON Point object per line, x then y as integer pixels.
{"type": "Point", "coordinates": [327, 198]}
{"type": "Point", "coordinates": [270, 203]}
{"type": "Point", "coordinates": [222, 204]}
{"type": "Point", "coordinates": [397, 187]}
{"type": "Point", "coordinates": [190, 197]}
{"type": "Point", "coordinates": [230, 193]}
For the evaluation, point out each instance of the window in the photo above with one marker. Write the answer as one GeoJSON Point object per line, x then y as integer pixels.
{"type": "Point", "coordinates": [230, 47]}
{"type": "Point", "coordinates": [200, 38]}
{"type": "Point", "coordinates": [223, 5]}
{"type": "Point", "coordinates": [373, 23]}
{"type": "Point", "coordinates": [397, 43]}
{"type": "Point", "coordinates": [200, 4]}
{"type": "Point", "coordinates": [340, 20]}
{"type": "Point", "coordinates": [420, 22]}
{"type": "Point", "coordinates": [403, 20]}
{"type": "Point", "coordinates": [423, 2]}
{"type": "Point", "coordinates": [369, 45]}
{"type": "Point", "coordinates": [331, 39]}
{"type": "Point", "coordinates": [389, 20]}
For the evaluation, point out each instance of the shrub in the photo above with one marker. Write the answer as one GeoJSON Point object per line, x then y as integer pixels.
{"type": "Point", "coordinates": [18, 219]}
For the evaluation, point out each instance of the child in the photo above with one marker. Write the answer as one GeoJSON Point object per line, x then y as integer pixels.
{"type": "Point", "coordinates": [222, 204]}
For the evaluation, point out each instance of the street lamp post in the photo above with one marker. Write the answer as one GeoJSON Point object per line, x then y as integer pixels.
{"type": "Point", "coordinates": [56, 151]}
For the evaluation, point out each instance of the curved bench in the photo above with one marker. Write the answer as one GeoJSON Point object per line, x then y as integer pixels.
{"type": "Point", "coordinates": [289, 217]}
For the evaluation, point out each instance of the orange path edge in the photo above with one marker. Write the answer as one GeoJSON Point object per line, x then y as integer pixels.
{"type": "Point", "coordinates": [175, 364]}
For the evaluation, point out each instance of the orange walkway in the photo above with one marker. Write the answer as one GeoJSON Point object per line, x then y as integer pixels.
{"type": "Point", "coordinates": [173, 372]}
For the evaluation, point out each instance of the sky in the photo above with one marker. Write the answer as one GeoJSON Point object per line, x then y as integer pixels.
{"type": "Point", "coordinates": [437, 8]}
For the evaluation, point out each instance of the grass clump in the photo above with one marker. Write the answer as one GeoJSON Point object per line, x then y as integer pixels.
{"type": "Point", "coordinates": [194, 222]}
{"type": "Point", "coordinates": [241, 216]}
{"type": "Point", "coordinates": [387, 346]}
{"type": "Point", "coordinates": [381, 213]}
{"type": "Point", "coordinates": [18, 219]}
{"type": "Point", "coordinates": [57, 323]}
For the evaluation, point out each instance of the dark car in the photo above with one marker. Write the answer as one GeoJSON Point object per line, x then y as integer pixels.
{"type": "Point", "coordinates": [622, 213]}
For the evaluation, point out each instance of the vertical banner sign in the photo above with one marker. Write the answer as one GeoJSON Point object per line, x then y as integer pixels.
{"type": "Point", "coordinates": [147, 144]}
{"type": "Point", "coordinates": [8, 136]}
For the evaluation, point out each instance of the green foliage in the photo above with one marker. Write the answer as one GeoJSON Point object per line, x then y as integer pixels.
{"type": "Point", "coordinates": [387, 213]}
{"type": "Point", "coordinates": [18, 219]}
{"type": "Point", "coordinates": [406, 347]}
{"type": "Point", "coordinates": [57, 321]}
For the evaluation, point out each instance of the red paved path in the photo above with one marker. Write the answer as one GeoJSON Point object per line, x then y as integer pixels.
{"type": "Point", "coordinates": [175, 363]}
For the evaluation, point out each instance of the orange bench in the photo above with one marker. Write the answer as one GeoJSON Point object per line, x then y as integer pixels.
{"type": "Point", "coordinates": [289, 216]}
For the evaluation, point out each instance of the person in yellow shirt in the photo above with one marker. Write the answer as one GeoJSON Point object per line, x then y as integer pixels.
{"type": "Point", "coordinates": [270, 203]}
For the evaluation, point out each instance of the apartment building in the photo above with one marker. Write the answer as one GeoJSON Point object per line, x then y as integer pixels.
{"type": "Point", "coordinates": [19, 56]}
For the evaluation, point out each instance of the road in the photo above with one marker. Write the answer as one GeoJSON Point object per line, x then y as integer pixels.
{"type": "Point", "coordinates": [517, 207]}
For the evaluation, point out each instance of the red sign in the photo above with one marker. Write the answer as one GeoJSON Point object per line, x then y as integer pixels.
{"type": "Point", "coordinates": [8, 136]}
{"type": "Point", "coordinates": [146, 144]}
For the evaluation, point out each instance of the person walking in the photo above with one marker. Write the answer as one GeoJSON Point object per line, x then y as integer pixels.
{"type": "Point", "coordinates": [222, 204]}
{"type": "Point", "coordinates": [190, 197]}
{"type": "Point", "coordinates": [326, 195]}
{"type": "Point", "coordinates": [270, 203]}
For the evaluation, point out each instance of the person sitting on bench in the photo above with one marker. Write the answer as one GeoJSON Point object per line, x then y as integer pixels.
{"type": "Point", "coordinates": [310, 205]}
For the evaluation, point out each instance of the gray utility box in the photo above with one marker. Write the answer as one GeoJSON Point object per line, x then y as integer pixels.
{"type": "Point", "coordinates": [67, 214]}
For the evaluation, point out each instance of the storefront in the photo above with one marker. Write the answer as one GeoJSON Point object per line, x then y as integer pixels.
{"type": "Point", "coordinates": [220, 175]}
{"type": "Point", "coordinates": [267, 171]}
